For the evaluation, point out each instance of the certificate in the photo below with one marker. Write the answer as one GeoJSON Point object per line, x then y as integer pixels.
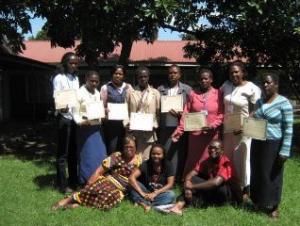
{"type": "Point", "coordinates": [194, 121]}
{"type": "Point", "coordinates": [117, 111]}
{"type": "Point", "coordinates": [255, 128]}
{"type": "Point", "coordinates": [233, 122]}
{"type": "Point", "coordinates": [65, 98]}
{"type": "Point", "coordinates": [171, 102]}
{"type": "Point", "coordinates": [95, 110]}
{"type": "Point", "coordinates": [141, 121]}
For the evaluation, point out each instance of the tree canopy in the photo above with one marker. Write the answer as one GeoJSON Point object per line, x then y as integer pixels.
{"type": "Point", "coordinates": [103, 25]}
{"type": "Point", "coordinates": [264, 31]}
{"type": "Point", "coordinates": [14, 23]}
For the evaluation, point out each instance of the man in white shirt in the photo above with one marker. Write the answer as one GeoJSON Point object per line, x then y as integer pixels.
{"type": "Point", "coordinates": [66, 147]}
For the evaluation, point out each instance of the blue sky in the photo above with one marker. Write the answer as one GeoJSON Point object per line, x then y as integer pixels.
{"type": "Point", "coordinates": [37, 23]}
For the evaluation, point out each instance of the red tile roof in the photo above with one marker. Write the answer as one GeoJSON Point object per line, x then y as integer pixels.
{"type": "Point", "coordinates": [159, 51]}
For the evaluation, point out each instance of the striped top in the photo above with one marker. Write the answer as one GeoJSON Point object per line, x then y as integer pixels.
{"type": "Point", "coordinates": [279, 115]}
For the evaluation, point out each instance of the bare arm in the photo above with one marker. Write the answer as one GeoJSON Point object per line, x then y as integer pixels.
{"type": "Point", "coordinates": [168, 186]}
{"type": "Point", "coordinates": [133, 182]}
{"type": "Point", "coordinates": [207, 185]}
{"type": "Point", "coordinates": [99, 171]}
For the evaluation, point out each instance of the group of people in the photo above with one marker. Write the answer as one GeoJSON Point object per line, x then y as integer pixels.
{"type": "Point", "coordinates": [214, 167]}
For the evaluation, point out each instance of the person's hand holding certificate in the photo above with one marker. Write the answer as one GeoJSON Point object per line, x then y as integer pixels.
{"type": "Point", "coordinates": [141, 121]}
{"type": "Point", "coordinates": [194, 121]}
{"type": "Point", "coordinates": [169, 103]}
{"type": "Point", "coordinates": [65, 98]}
{"type": "Point", "coordinates": [117, 111]}
{"type": "Point", "coordinates": [255, 128]}
{"type": "Point", "coordinates": [233, 122]}
{"type": "Point", "coordinates": [95, 110]}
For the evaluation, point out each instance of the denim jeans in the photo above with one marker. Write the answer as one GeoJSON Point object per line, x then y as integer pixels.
{"type": "Point", "coordinates": [161, 199]}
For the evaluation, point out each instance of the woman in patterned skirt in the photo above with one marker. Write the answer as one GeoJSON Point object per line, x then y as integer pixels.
{"type": "Point", "coordinates": [106, 187]}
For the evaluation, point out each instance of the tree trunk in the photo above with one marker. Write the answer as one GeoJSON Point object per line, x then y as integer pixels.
{"type": "Point", "coordinates": [127, 43]}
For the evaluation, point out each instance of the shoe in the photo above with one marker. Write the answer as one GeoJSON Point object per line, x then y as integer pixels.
{"type": "Point", "coordinates": [66, 190]}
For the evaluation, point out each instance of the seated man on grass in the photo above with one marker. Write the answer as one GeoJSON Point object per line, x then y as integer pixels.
{"type": "Point", "coordinates": [210, 182]}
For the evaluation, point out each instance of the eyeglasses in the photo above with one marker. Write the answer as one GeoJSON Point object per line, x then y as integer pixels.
{"type": "Point", "coordinates": [213, 147]}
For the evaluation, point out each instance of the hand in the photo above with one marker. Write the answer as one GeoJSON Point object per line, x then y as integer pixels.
{"type": "Point", "coordinates": [175, 137]}
{"type": "Point", "coordinates": [65, 110]}
{"type": "Point", "coordinates": [151, 196]}
{"type": "Point", "coordinates": [85, 123]}
{"type": "Point", "coordinates": [106, 112]}
{"type": "Point", "coordinates": [237, 132]}
{"type": "Point", "coordinates": [188, 185]}
{"type": "Point", "coordinates": [174, 113]}
{"type": "Point", "coordinates": [188, 194]}
{"type": "Point", "coordinates": [206, 129]}
{"type": "Point", "coordinates": [280, 160]}
{"type": "Point", "coordinates": [127, 128]}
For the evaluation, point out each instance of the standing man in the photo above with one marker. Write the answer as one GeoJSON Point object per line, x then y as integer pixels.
{"type": "Point", "coordinates": [176, 152]}
{"type": "Point", "coordinates": [66, 147]}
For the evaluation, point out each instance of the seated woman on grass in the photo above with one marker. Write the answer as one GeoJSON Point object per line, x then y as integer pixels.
{"type": "Point", "coordinates": [210, 182]}
{"type": "Point", "coordinates": [155, 179]}
{"type": "Point", "coordinates": [106, 187]}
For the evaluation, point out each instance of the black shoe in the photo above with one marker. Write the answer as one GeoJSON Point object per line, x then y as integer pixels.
{"type": "Point", "coordinates": [66, 190]}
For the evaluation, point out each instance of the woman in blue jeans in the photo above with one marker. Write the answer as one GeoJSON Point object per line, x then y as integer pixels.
{"type": "Point", "coordinates": [152, 182]}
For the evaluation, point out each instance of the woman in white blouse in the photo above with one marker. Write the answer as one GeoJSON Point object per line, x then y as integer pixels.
{"type": "Point", "coordinates": [240, 96]}
{"type": "Point", "coordinates": [90, 144]}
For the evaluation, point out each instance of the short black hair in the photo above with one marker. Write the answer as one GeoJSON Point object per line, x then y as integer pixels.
{"type": "Point", "coordinates": [116, 67]}
{"type": "Point", "coordinates": [274, 76]}
{"type": "Point", "coordinates": [92, 72]}
{"type": "Point", "coordinates": [201, 70]}
{"type": "Point", "coordinates": [241, 65]}
{"type": "Point", "coordinates": [175, 66]}
{"type": "Point", "coordinates": [142, 68]}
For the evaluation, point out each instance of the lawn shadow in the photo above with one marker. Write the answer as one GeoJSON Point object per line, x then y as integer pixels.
{"type": "Point", "coordinates": [29, 142]}
{"type": "Point", "coordinates": [45, 181]}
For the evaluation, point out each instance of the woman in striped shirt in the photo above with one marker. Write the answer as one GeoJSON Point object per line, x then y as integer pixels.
{"type": "Point", "coordinates": [268, 157]}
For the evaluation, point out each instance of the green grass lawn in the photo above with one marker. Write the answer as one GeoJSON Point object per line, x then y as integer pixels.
{"type": "Point", "coordinates": [26, 195]}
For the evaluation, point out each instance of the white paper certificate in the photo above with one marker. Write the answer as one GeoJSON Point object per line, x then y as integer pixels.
{"type": "Point", "coordinates": [194, 121]}
{"type": "Point", "coordinates": [65, 98]}
{"type": "Point", "coordinates": [171, 102]}
{"type": "Point", "coordinates": [117, 111]}
{"type": "Point", "coordinates": [255, 128]}
{"type": "Point", "coordinates": [141, 121]}
{"type": "Point", "coordinates": [233, 122]}
{"type": "Point", "coordinates": [95, 110]}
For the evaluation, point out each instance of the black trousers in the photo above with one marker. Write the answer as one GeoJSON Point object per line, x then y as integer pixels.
{"type": "Point", "coordinates": [114, 133]}
{"type": "Point", "coordinates": [217, 196]}
{"type": "Point", "coordinates": [66, 155]}
{"type": "Point", "coordinates": [176, 152]}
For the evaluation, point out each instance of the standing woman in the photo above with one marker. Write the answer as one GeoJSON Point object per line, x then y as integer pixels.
{"type": "Point", "coordinates": [66, 148]}
{"type": "Point", "coordinates": [176, 152]}
{"type": "Point", "coordinates": [240, 96]}
{"type": "Point", "coordinates": [208, 100]}
{"type": "Point", "coordinates": [115, 92]}
{"type": "Point", "coordinates": [90, 144]}
{"type": "Point", "coordinates": [144, 99]}
{"type": "Point", "coordinates": [268, 157]}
